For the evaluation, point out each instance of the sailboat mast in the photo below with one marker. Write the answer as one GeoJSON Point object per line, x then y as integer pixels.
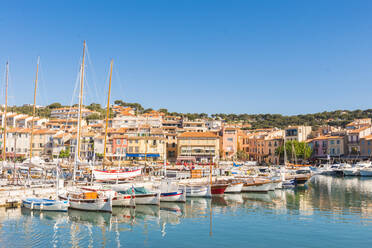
{"type": "Point", "coordinates": [77, 151]}
{"type": "Point", "coordinates": [5, 110]}
{"type": "Point", "coordinates": [34, 108]}
{"type": "Point", "coordinates": [107, 115]}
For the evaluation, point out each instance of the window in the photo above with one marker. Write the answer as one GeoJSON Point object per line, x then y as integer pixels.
{"type": "Point", "coordinates": [136, 149]}
{"type": "Point", "coordinates": [130, 149]}
{"type": "Point", "coordinates": [369, 142]}
{"type": "Point", "coordinates": [230, 139]}
{"type": "Point", "coordinates": [118, 142]}
{"type": "Point", "coordinates": [154, 142]}
{"type": "Point", "coordinates": [332, 142]}
{"type": "Point", "coordinates": [338, 142]}
{"type": "Point", "coordinates": [117, 150]}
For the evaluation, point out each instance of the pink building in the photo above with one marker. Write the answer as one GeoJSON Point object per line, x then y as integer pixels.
{"type": "Point", "coordinates": [229, 142]}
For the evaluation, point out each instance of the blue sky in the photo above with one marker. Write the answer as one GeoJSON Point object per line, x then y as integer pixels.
{"type": "Point", "coordinates": [285, 57]}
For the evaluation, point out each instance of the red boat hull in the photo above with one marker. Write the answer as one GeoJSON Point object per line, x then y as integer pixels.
{"type": "Point", "coordinates": [218, 189]}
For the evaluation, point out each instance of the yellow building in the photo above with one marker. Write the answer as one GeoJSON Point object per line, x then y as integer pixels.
{"type": "Point", "coordinates": [146, 147]}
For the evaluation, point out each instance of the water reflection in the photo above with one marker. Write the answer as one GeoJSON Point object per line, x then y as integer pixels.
{"type": "Point", "coordinates": [343, 200]}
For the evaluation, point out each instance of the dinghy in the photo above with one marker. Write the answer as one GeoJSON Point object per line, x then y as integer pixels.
{"type": "Point", "coordinates": [45, 204]}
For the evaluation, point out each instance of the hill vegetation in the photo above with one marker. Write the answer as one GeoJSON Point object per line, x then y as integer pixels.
{"type": "Point", "coordinates": [332, 118]}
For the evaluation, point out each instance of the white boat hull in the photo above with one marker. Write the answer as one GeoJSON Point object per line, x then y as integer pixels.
{"type": "Point", "coordinates": [197, 191]}
{"type": "Point", "coordinates": [112, 175]}
{"type": "Point", "coordinates": [123, 201]}
{"type": "Point", "coordinates": [234, 188]}
{"type": "Point", "coordinates": [257, 188]}
{"type": "Point", "coordinates": [147, 199]}
{"type": "Point", "coordinates": [46, 205]}
{"type": "Point", "coordinates": [103, 205]}
{"type": "Point", "coordinates": [178, 196]}
{"type": "Point", "coordinates": [351, 172]}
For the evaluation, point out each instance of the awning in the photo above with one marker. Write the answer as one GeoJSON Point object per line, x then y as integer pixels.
{"type": "Point", "coordinates": [142, 155]}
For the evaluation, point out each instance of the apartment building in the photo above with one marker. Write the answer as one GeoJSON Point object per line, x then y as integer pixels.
{"type": "Point", "coordinates": [70, 113]}
{"type": "Point", "coordinates": [299, 133]}
{"type": "Point", "coordinates": [199, 147]}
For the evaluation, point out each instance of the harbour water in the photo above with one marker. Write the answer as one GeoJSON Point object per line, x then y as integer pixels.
{"type": "Point", "coordinates": [328, 212]}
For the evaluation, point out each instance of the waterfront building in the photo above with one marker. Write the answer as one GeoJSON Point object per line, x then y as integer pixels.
{"type": "Point", "coordinates": [366, 147]}
{"type": "Point", "coordinates": [229, 144]}
{"type": "Point", "coordinates": [299, 133]}
{"type": "Point", "coordinates": [42, 142]}
{"type": "Point", "coordinates": [201, 147]}
{"type": "Point", "coordinates": [17, 142]}
{"type": "Point", "coordinates": [336, 146]}
{"type": "Point", "coordinates": [150, 148]}
{"type": "Point", "coordinates": [353, 139]}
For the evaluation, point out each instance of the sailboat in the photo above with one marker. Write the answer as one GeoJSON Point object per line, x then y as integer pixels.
{"type": "Point", "coordinates": [40, 203]}
{"type": "Point", "coordinates": [85, 199]}
{"type": "Point", "coordinates": [112, 175]}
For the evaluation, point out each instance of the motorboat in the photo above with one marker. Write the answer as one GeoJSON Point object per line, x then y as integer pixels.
{"type": "Point", "coordinates": [256, 185]}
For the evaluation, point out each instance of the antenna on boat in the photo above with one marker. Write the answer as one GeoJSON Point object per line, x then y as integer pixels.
{"type": "Point", "coordinates": [77, 149]}
{"type": "Point", "coordinates": [33, 112]}
{"type": "Point", "coordinates": [107, 115]}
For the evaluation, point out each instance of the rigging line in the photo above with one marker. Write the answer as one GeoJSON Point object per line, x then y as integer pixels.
{"type": "Point", "coordinates": [119, 83]}
{"type": "Point", "coordinates": [94, 77]}
{"type": "Point", "coordinates": [72, 97]}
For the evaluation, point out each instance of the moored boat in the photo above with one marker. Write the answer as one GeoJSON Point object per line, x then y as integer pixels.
{"type": "Point", "coordinates": [197, 191]}
{"type": "Point", "coordinates": [143, 196]}
{"type": "Point", "coordinates": [45, 204]}
{"type": "Point", "coordinates": [218, 189]}
{"type": "Point", "coordinates": [257, 186]}
{"type": "Point", "coordinates": [118, 199]}
{"type": "Point", "coordinates": [88, 201]}
{"type": "Point", "coordinates": [112, 175]}
{"type": "Point", "coordinates": [234, 187]}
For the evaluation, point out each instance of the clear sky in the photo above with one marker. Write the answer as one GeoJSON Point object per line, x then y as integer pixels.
{"type": "Point", "coordinates": [229, 56]}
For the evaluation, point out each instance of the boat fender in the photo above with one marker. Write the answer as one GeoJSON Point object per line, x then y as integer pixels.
{"type": "Point", "coordinates": [32, 205]}
{"type": "Point", "coordinates": [41, 206]}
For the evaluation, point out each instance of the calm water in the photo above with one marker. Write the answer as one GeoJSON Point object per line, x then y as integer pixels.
{"type": "Point", "coordinates": [330, 212]}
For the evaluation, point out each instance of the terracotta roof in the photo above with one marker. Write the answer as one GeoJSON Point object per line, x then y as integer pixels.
{"type": "Point", "coordinates": [198, 135]}
{"type": "Point", "coordinates": [358, 130]}
{"type": "Point", "coordinates": [45, 131]}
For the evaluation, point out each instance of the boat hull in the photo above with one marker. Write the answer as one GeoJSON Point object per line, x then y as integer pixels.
{"type": "Point", "coordinates": [257, 187]}
{"type": "Point", "coordinates": [45, 205]}
{"type": "Point", "coordinates": [123, 201]}
{"type": "Point", "coordinates": [197, 191]}
{"type": "Point", "coordinates": [234, 188]}
{"type": "Point", "coordinates": [100, 205]}
{"type": "Point", "coordinates": [147, 199]}
{"type": "Point", "coordinates": [177, 196]}
{"type": "Point", "coordinates": [113, 175]}
{"type": "Point", "coordinates": [218, 189]}
{"type": "Point", "coordinates": [365, 173]}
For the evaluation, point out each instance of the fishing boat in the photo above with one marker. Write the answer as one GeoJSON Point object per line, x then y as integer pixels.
{"type": "Point", "coordinates": [118, 199]}
{"type": "Point", "coordinates": [143, 196]}
{"type": "Point", "coordinates": [112, 175]}
{"type": "Point", "coordinates": [88, 201]}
